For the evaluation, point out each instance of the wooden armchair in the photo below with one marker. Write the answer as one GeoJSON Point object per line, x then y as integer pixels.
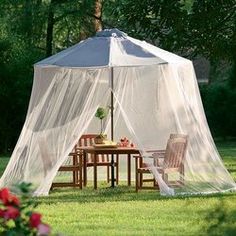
{"type": "Point", "coordinates": [173, 160]}
{"type": "Point", "coordinates": [103, 160]}
{"type": "Point", "coordinates": [165, 161]}
{"type": "Point", "coordinates": [75, 167]}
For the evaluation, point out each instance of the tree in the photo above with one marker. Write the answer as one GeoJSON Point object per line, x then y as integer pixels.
{"type": "Point", "coordinates": [31, 30]}
{"type": "Point", "coordinates": [98, 15]}
{"type": "Point", "coordinates": [212, 27]}
{"type": "Point", "coordinates": [161, 22]}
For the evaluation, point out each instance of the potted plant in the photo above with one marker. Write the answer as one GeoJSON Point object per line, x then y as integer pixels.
{"type": "Point", "coordinates": [101, 113]}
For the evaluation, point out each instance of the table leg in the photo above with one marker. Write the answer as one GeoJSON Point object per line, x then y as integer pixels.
{"type": "Point", "coordinates": [112, 171]}
{"type": "Point", "coordinates": [85, 167]}
{"type": "Point", "coordinates": [95, 171]}
{"type": "Point", "coordinates": [129, 169]}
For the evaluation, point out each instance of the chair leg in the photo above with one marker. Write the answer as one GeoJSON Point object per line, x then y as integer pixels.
{"type": "Point", "coordinates": [155, 184]}
{"type": "Point", "coordinates": [182, 175]}
{"type": "Point", "coordinates": [166, 178]}
{"type": "Point", "coordinates": [80, 171]}
{"type": "Point", "coordinates": [75, 172]}
{"type": "Point", "coordinates": [137, 182]}
{"type": "Point", "coordinates": [117, 169]}
{"type": "Point", "coordinates": [140, 180]}
{"type": "Point", "coordinates": [85, 168]}
{"type": "Point", "coordinates": [108, 174]}
{"type": "Point", "coordinates": [85, 176]}
{"type": "Point", "coordinates": [136, 175]}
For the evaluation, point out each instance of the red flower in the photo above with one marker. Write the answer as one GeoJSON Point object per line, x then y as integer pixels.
{"type": "Point", "coordinates": [7, 198]}
{"type": "Point", "coordinates": [11, 213]}
{"type": "Point", "coordinates": [35, 220]}
{"type": "Point", "coordinates": [14, 200]}
{"type": "Point", "coordinates": [4, 195]}
{"type": "Point", "coordinates": [2, 213]}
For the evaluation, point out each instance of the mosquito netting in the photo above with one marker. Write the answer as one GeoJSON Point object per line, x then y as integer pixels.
{"type": "Point", "coordinates": [155, 94]}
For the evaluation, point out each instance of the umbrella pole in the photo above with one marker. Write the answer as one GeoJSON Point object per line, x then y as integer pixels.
{"type": "Point", "coordinates": [112, 132]}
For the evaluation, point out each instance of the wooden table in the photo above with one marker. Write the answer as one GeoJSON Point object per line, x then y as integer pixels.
{"type": "Point", "coordinates": [112, 151]}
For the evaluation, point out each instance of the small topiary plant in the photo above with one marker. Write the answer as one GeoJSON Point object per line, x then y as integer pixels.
{"type": "Point", "coordinates": [101, 113]}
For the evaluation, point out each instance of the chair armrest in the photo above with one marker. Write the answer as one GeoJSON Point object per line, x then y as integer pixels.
{"type": "Point", "coordinates": [157, 151]}
{"type": "Point", "coordinates": [158, 158]}
{"type": "Point", "coordinates": [158, 161]}
{"type": "Point", "coordinates": [137, 157]}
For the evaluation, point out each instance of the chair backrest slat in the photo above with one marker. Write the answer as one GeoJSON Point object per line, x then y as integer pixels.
{"type": "Point", "coordinates": [185, 136]}
{"type": "Point", "coordinates": [88, 140]}
{"type": "Point", "coordinates": [175, 152]}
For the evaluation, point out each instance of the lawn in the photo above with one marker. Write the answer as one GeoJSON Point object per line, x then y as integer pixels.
{"type": "Point", "coordinates": [121, 211]}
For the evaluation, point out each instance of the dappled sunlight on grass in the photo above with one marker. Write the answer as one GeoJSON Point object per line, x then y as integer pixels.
{"type": "Point", "coordinates": [122, 211]}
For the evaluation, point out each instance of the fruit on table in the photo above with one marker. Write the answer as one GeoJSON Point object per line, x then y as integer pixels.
{"type": "Point", "coordinates": [124, 142]}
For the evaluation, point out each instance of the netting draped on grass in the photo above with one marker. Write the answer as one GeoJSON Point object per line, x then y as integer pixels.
{"type": "Point", "coordinates": [155, 95]}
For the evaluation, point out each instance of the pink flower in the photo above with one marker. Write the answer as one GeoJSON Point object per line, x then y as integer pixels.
{"type": "Point", "coordinates": [43, 229]}
{"type": "Point", "coordinates": [11, 213]}
{"type": "Point", "coordinates": [35, 220]}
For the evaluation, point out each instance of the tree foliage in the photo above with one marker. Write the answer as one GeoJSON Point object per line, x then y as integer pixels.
{"type": "Point", "coordinates": [161, 22]}
{"type": "Point", "coordinates": [212, 28]}
{"type": "Point", "coordinates": [33, 29]}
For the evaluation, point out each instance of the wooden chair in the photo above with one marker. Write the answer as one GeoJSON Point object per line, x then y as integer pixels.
{"type": "Point", "coordinates": [103, 160]}
{"type": "Point", "coordinates": [76, 167]}
{"type": "Point", "coordinates": [141, 168]}
{"type": "Point", "coordinates": [165, 161]}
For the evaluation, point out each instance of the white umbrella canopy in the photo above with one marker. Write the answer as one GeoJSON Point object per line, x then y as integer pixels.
{"type": "Point", "coordinates": [110, 48]}
{"type": "Point", "coordinates": [155, 94]}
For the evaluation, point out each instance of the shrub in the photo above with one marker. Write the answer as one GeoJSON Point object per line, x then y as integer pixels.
{"type": "Point", "coordinates": [219, 100]}
{"type": "Point", "coordinates": [17, 217]}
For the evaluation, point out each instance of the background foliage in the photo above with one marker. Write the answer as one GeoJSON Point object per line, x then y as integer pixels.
{"type": "Point", "coordinates": [34, 29]}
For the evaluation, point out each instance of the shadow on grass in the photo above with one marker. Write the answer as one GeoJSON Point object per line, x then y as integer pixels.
{"type": "Point", "coordinates": [221, 221]}
{"type": "Point", "coordinates": [121, 193]}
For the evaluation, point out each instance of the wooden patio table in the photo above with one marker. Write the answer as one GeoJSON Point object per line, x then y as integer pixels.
{"type": "Point", "coordinates": [108, 150]}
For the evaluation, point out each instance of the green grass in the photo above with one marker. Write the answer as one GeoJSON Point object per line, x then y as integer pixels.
{"type": "Point", "coordinates": [121, 211]}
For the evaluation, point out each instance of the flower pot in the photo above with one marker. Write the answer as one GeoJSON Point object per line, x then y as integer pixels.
{"type": "Point", "coordinates": [100, 139]}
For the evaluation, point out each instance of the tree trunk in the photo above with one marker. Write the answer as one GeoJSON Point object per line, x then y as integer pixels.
{"type": "Point", "coordinates": [98, 15]}
{"type": "Point", "coordinates": [50, 25]}
{"type": "Point", "coordinates": [28, 21]}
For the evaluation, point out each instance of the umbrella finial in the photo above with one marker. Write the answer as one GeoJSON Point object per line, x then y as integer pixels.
{"type": "Point", "coordinates": [111, 33]}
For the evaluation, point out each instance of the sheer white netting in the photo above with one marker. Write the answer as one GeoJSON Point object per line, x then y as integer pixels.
{"type": "Point", "coordinates": [155, 95]}
{"type": "Point", "coordinates": [157, 101]}
{"type": "Point", "coordinates": [54, 123]}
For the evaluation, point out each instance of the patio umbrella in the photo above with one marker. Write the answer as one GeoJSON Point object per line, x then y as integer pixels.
{"type": "Point", "coordinates": [109, 48]}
